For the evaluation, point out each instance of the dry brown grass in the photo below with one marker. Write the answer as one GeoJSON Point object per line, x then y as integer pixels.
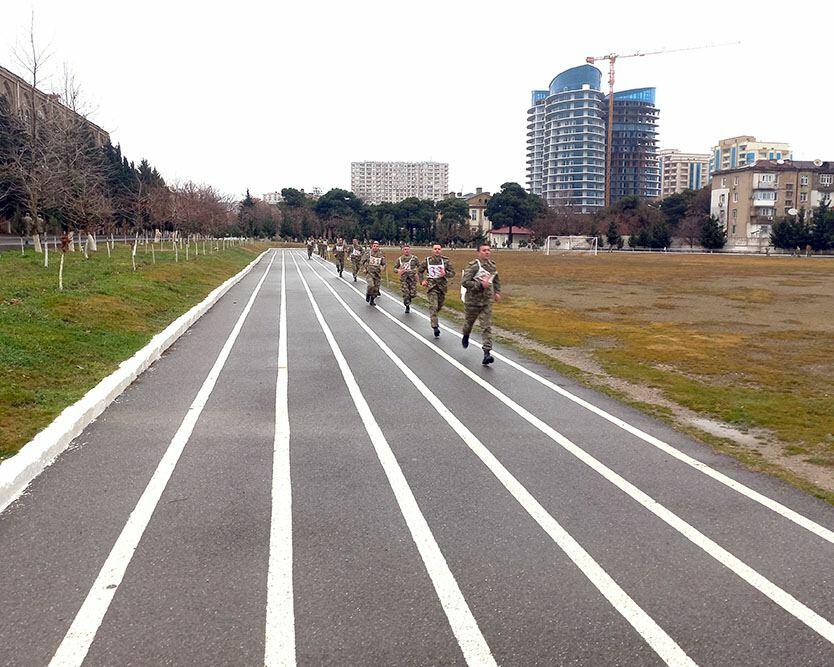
{"type": "Point", "coordinates": [745, 340]}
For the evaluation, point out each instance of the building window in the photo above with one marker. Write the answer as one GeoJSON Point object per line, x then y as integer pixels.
{"type": "Point", "coordinates": [826, 179]}
{"type": "Point", "coordinates": [723, 182]}
{"type": "Point", "coordinates": [803, 197]}
{"type": "Point", "coordinates": [735, 198]}
{"type": "Point", "coordinates": [735, 214]}
{"type": "Point", "coordinates": [803, 180]}
{"type": "Point", "coordinates": [734, 229]}
{"type": "Point", "coordinates": [735, 180]}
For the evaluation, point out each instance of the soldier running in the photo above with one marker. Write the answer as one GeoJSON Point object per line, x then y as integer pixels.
{"type": "Point", "coordinates": [434, 274]}
{"type": "Point", "coordinates": [480, 278]}
{"type": "Point", "coordinates": [406, 268]}
{"type": "Point", "coordinates": [356, 251]}
{"type": "Point", "coordinates": [339, 251]}
{"type": "Point", "coordinates": [374, 264]}
{"type": "Point", "coordinates": [322, 248]}
{"type": "Point", "coordinates": [311, 244]}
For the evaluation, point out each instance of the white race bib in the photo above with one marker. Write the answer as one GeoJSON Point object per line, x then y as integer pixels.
{"type": "Point", "coordinates": [340, 248]}
{"type": "Point", "coordinates": [356, 253]}
{"type": "Point", "coordinates": [435, 270]}
{"type": "Point", "coordinates": [375, 261]}
{"type": "Point", "coordinates": [483, 273]}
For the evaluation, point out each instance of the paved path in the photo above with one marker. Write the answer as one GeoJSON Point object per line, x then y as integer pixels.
{"type": "Point", "coordinates": [306, 478]}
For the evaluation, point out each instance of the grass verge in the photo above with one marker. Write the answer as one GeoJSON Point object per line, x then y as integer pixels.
{"type": "Point", "coordinates": [55, 346]}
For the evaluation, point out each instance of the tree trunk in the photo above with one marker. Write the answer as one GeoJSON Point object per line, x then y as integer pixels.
{"type": "Point", "coordinates": [22, 247]}
{"type": "Point", "coordinates": [510, 236]}
{"type": "Point", "coordinates": [46, 255]}
{"type": "Point", "coordinates": [133, 252]}
{"type": "Point", "coordinates": [61, 275]}
{"type": "Point", "coordinates": [36, 240]}
{"type": "Point", "coordinates": [153, 253]}
{"type": "Point", "coordinates": [91, 240]}
{"type": "Point", "coordinates": [86, 246]}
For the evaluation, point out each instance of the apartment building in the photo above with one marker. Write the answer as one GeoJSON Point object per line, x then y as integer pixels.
{"type": "Point", "coordinates": [747, 200]}
{"type": "Point", "coordinates": [740, 151]}
{"type": "Point", "coordinates": [635, 168]}
{"type": "Point", "coordinates": [376, 182]}
{"type": "Point", "coordinates": [682, 171]}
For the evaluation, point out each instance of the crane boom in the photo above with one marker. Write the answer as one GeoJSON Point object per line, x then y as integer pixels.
{"type": "Point", "coordinates": [612, 58]}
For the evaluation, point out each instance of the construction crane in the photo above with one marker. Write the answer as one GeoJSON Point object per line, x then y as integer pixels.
{"type": "Point", "coordinates": [612, 58]}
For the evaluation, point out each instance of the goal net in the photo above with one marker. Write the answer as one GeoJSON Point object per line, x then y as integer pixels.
{"type": "Point", "coordinates": [555, 244]}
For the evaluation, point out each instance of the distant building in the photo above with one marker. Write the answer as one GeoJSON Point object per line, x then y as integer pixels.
{"type": "Point", "coordinates": [273, 198]}
{"type": "Point", "coordinates": [477, 202]}
{"type": "Point", "coordinates": [747, 200]}
{"type": "Point", "coordinates": [375, 182]}
{"type": "Point", "coordinates": [498, 237]}
{"type": "Point", "coordinates": [18, 93]}
{"type": "Point", "coordinates": [635, 170]}
{"type": "Point", "coordinates": [739, 151]}
{"type": "Point", "coordinates": [682, 171]}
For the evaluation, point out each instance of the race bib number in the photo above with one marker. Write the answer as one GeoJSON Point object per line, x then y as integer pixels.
{"type": "Point", "coordinates": [355, 253]}
{"type": "Point", "coordinates": [340, 248]}
{"type": "Point", "coordinates": [375, 261]}
{"type": "Point", "coordinates": [435, 271]}
{"type": "Point", "coordinates": [483, 273]}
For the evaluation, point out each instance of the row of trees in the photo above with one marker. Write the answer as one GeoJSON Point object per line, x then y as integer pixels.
{"type": "Point", "coordinates": [802, 231]}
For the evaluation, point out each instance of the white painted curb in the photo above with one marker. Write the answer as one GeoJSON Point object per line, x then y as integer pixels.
{"type": "Point", "coordinates": [17, 472]}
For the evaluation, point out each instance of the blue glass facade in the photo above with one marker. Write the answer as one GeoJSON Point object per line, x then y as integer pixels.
{"type": "Point", "coordinates": [635, 166]}
{"type": "Point", "coordinates": [566, 141]}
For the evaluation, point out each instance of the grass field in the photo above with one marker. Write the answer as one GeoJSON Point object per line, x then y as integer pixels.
{"type": "Point", "coordinates": [746, 342]}
{"type": "Point", "coordinates": [55, 346]}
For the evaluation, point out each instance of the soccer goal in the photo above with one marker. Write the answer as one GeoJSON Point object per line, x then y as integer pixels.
{"type": "Point", "coordinates": [555, 244]}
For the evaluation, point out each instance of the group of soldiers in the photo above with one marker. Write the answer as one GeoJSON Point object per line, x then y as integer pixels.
{"type": "Point", "coordinates": [480, 284]}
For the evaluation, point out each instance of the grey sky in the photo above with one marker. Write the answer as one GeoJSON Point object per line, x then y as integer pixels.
{"type": "Point", "coordinates": [249, 94]}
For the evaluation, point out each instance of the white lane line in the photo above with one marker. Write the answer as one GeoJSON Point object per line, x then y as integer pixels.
{"type": "Point", "coordinates": [736, 565]}
{"type": "Point", "coordinates": [769, 503]}
{"type": "Point", "coordinates": [82, 632]}
{"type": "Point", "coordinates": [279, 646]}
{"type": "Point", "coordinates": [649, 630]}
{"type": "Point", "coordinates": [465, 628]}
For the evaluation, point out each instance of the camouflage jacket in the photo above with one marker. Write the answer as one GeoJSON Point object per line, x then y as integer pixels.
{"type": "Point", "coordinates": [410, 264]}
{"type": "Point", "coordinates": [374, 261]}
{"type": "Point", "coordinates": [356, 252]}
{"type": "Point", "coordinates": [340, 253]}
{"type": "Point", "coordinates": [475, 291]}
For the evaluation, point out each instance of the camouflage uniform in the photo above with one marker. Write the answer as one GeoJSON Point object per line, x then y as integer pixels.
{"type": "Point", "coordinates": [323, 248]}
{"type": "Point", "coordinates": [478, 300]}
{"type": "Point", "coordinates": [310, 245]}
{"type": "Point", "coordinates": [356, 252]}
{"type": "Point", "coordinates": [339, 251]}
{"type": "Point", "coordinates": [374, 263]}
{"type": "Point", "coordinates": [437, 286]}
{"type": "Point", "coordinates": [408, 278]}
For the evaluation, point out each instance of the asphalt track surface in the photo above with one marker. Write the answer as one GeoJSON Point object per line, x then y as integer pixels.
{"type": "Point", "coordinates": [356, 492]}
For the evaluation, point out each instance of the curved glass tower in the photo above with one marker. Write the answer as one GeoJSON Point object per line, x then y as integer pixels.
{"type": "Point", "coordinates": [566, 135]}
{"type": "Point", "coordinates": [566, 141]}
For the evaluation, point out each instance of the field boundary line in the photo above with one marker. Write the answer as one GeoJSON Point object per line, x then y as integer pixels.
{"type": "Point", "coordinates": [773, 505]}
{"type": "Point", "coordinates": [39, 453]}
{"type": "Point", "coordinates": [475, 649]}
{"type": "Point", "coordinates": [82, 632]}
{"type": "Point", "coordinates": [651, 632]}
{"type": "Point", "coordinates": [758, 581]}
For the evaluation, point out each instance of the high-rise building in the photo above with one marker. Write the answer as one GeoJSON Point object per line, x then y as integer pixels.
{"type": "Point", "coordinates": [375, 182]}
{"type": "Point", "coordinates": [682, 171]}
{"type": "Point", "coordinates": [739, 151]}
{"type": "Point", "coordinates": [566, 144]}
{"type": "Point", "coordinates": [635, 170]}
{"type": "Point", "coordinates": [566, 140]}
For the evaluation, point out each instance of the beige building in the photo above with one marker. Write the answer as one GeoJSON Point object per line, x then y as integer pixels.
{"type": "Point", "coordinates": [748, 200]}
{"type": "Point", "coordinates": [375, 182]}
{"type": "Point", "coordinates": [739, 151]}
{"type": "Point", "coordinates": [19, 95]}
{"type": "Point", "coordinates": [477, 202]}
{"type": "Point", "coordinates": [682, 171]}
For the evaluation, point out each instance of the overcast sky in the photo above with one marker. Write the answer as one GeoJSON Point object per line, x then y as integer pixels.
{"type": "Point", "coordinates": [269, 95]}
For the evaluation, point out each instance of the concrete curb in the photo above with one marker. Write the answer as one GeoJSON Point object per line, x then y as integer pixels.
{"type": "Point", "coordinates": [18, 472]}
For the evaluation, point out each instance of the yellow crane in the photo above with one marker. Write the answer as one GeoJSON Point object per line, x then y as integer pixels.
{"type": "Point", "coordinates": [612, 58]}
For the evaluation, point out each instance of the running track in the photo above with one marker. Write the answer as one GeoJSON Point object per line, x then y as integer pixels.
{"type": "Point", "coordinates": [303, 478]}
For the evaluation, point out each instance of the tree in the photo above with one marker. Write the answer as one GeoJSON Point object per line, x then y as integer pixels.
{"type": "Point", "coordinates": [675, 206]}
{"type": "Point", "coordinates": [613, 236]}
{"type": "Point", "coordinates": [690, 228]}
{"type": "Point", "coordinates": [453, 222]}
{"type": "Point", "coordinates": [713, 235]}
{"type": "Point", "coordinates": [292, 197]}
{"type": "Point", "coordinates": [822, 227]}
{"type": "Point", "coordinates": [339, 210]}
{"type": "Point", "coordinates": [512, 207]}
{"type": "Point", "coordinates": [416, 216]}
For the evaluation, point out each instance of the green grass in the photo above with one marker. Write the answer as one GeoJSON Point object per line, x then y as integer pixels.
{"type": "Point", "coordinates": [55, 346]}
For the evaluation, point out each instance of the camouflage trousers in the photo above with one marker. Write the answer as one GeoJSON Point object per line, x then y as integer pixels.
{"type": "Point", "coordinates": [309, 252]}
{"type": "Point", "coordinates": [437, 298]}
{"type": "Point", "coordinates": [481, 311]}
{"type": "Point", "coordinates": [374, 279]}
{"type": "Point", "coordinates": [340, 263]}
{"type": "Point", "coordinates": [408, 286]}
{"type": "Point", "coordinates": [354, 262]}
